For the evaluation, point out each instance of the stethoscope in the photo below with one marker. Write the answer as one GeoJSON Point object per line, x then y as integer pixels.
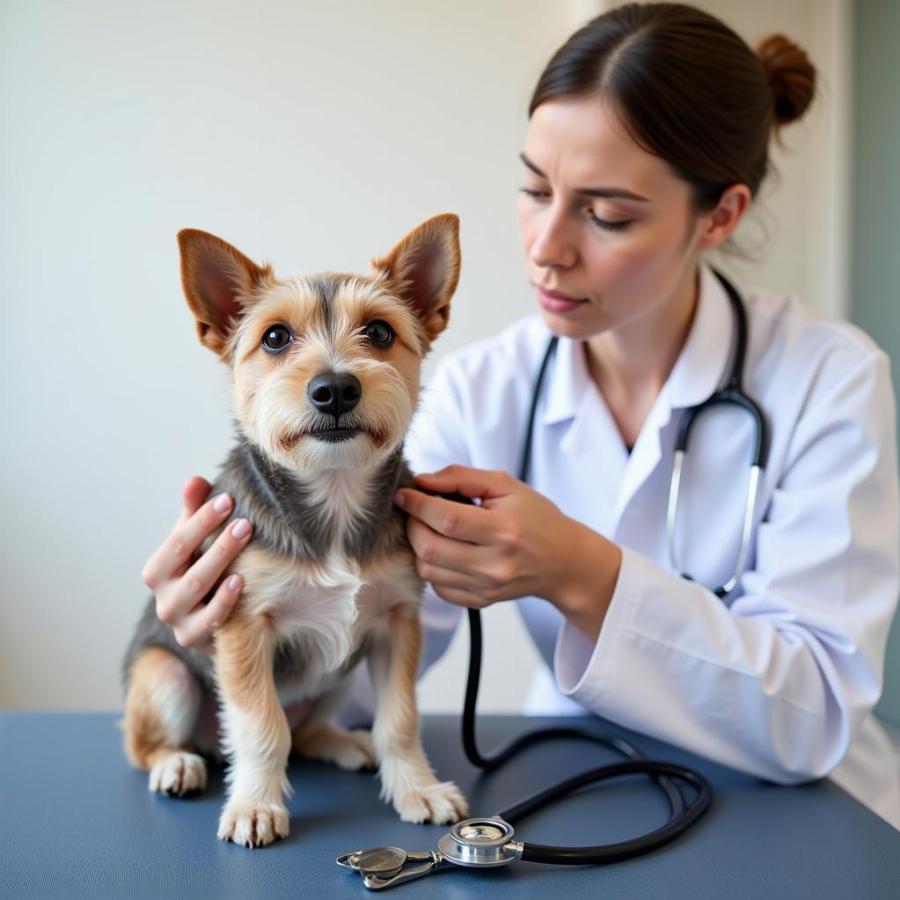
{"type": "Point", "coordinates": [732, 394]}
{"type": "Point", "coordinates": [489, 841]}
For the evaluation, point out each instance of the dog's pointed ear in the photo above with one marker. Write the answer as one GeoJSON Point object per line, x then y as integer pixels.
{"type": "Point", "coordinates": [423, 270]}
{"type": "Point", "coordinates": [219, 283]}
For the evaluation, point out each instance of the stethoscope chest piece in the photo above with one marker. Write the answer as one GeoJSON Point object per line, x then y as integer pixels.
{"type": "Point", "coordinates": [485, 841]}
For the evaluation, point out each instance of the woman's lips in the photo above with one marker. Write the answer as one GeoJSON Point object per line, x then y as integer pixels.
{"type": "Point", "coordinates": [556, 302]}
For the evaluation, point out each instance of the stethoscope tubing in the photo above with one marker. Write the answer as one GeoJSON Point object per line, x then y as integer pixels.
{"type": "Point", "coordinates": [682, 815]}
{"type": "Point", "coordinates": [733, 393]}
{"type": "Point", "coordinates": [622, 850]}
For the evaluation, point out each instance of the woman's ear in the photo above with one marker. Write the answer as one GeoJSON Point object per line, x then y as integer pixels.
{"type": "Point", "coordinates": [722, 221]}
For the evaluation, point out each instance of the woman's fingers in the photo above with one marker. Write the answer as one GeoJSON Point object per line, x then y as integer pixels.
{"type": "Point", "coordinates": [197, 628]}
{"type": "Point", "coordinates": [459, 521]}
{"type": "Point", "coordinates": [459, 597]}
{"type": "Point", "coordinates": [180, 596]}
{"type": "Point", "coordinates": [485, 484]}
{"type": "Point", "coordinates": [180, 582]}
{"type": "Point", "coordinates": [450, 563]}
{"type": "Point", "coordinates": [196, 489]}
{"type": "Point", "coordinates": [173, 556]}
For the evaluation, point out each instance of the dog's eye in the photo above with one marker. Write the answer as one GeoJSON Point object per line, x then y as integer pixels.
{"type": "Point", "coordinates": [380, 333]}
{"type": "Point", "coordinates": [276, 338]}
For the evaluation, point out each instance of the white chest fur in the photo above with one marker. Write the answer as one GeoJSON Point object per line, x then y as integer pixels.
{"type": "Point", "coordinates": [325, 612]}
{"type": "Point", "coordinates": [314, 603]}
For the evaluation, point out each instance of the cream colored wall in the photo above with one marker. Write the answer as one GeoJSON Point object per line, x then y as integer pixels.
{"type": "Point", "coordinates": [311, 134]}
{"type": "Point", "coordinates": [798, 230]}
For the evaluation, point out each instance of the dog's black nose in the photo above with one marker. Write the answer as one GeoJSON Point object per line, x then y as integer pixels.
{"type": "Point", "coordinates": [334, 393]}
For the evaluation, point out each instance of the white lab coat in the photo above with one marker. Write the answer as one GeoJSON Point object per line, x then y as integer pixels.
{"type": "Point", "coordinates": [779, 678]}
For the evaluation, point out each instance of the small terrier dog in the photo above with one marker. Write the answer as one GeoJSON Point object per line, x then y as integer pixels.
{"type": "Point", "coordinates": [324, 374]}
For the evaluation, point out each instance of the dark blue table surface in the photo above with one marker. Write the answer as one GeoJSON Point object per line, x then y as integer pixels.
{"type": "Point", "coordinates": [77, 821]}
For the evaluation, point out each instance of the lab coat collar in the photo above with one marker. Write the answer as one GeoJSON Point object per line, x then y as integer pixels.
{"type": "Point", "coordinates": [569, 381]}
{"type": "Point", "coordinates": [697, 372]}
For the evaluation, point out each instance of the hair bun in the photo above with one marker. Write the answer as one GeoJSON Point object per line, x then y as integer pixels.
{"type": "Point", "coordinates": [791, 75]}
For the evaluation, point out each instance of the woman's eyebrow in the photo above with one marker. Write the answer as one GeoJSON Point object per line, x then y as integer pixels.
{"type": "Point", "coordinates": [608, 192]}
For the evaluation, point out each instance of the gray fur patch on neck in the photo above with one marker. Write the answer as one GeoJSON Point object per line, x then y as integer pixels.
{"type": "Point", "coordinates": [306, 519]}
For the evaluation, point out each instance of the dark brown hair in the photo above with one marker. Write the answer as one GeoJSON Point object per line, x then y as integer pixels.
{"type": "Point", "coordinates": [687, 88]}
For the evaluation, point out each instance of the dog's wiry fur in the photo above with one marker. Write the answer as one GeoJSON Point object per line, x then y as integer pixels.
{"type": "Point", "coordinates": [329, 576]}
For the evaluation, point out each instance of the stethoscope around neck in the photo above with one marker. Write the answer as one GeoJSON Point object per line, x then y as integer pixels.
{"type": "Point", "coordinates": [490, 841]}
{"type": "Point", "coordinates": [732, 394]}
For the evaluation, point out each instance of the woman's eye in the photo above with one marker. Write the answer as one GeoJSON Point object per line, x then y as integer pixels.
{"type": "Point", "coordinates": [605, 224]}
{"type": "Point", "coordinates": [380, 333]}
{"type": "Point", "coordinates": [276, 338]}
{"type": "Point", "coordinates": [609, 225]}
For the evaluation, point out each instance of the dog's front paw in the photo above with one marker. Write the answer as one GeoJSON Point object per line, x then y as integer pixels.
{"type": "Point", "coordinates": [253, 824]}
{"type": "Point", "coordinates": [440, 803]}
{"type": "Point", "coordinates": [178, 774]}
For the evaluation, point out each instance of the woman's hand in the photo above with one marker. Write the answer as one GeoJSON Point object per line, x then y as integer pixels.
{"type": "Point", "coordinates": [180, 582]}
{"type": "Point", "coordinates": [517, 543]}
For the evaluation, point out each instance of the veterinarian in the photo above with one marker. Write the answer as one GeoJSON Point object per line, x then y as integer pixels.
{"type": "Point", "coordinates": [750, 626]}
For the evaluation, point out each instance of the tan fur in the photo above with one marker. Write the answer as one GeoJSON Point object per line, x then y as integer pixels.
{"type": "Point", "coordinates": [151, 736]}
{"type": "Point", "coordinates": [325, 741]}
{"type": "Point", "coordinates": [244, 646]}
{"type": "Point", "coordinates": [204, 257]}
{"type": "Point", "coordinates": [433, 296]}
{"type": "Point", "coordinates": [406, 649]}
{"type": "Point", "coordinates": [145, 734]}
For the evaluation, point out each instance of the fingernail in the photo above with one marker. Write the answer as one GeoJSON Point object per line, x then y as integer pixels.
{"type": "Point", "coordinates": [240, 529]}
{"type": "Point", "coordinates": [234, 582]}
{"type": "Point", "coordinates": [221, 503]}
{"type": "Point", "coordinates": [400, 499]}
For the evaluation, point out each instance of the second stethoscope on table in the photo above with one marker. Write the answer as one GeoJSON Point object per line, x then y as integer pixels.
{"type": "Point", "coordinates": [487, 841]}
{"type": "Point", "coordinates": [732, 394]}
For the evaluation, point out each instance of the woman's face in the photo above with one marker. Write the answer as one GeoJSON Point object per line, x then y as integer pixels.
{"type": "Point", "coordinates": [604, 223]}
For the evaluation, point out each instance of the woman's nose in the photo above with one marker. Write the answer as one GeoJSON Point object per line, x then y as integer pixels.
{"type": "Point", "coordinates": [552, 245]}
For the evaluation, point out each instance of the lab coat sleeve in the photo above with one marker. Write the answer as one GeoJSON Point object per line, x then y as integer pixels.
{"type": "Point", "coordinates": [436, 438]}
{"type": "Point", "coordinates": [776, 683]}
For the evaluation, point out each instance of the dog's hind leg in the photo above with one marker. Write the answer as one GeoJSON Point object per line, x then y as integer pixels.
{"type": "Point", "coordinates": [315, 737]}
{"type": "Point", "coordinates": [160, 712]}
